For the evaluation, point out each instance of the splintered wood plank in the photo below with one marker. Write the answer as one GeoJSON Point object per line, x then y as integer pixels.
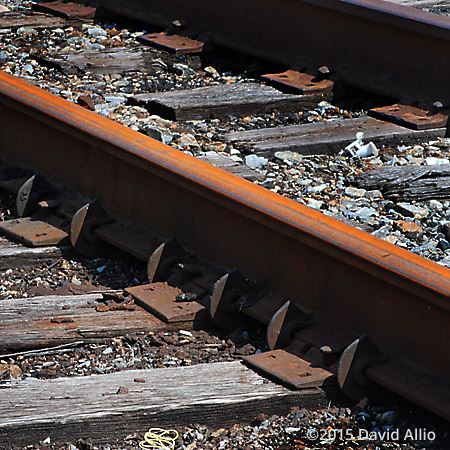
{"type": "Point", "coordinates": [30, 323]}
{"type": "Point", "coordinates": [14, 255]}
{"type": "Point", "coordinates": [13, 20]}
{"type": "Point", "coordinates": [220, 100]}
{"type": "Point", "coordinates": [325, 137]}
{"type": "Point", "coordinates": [216, 394]}
{"type": "Point", "coordinates": [115, 60]}
{"type": "Point", "coordinates": [409, 182]}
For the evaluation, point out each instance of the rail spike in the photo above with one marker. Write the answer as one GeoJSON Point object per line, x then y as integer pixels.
{"type": "Point", "coordinates": [163, 258]}
{"type": "Point", "coordinates": [31, 193]}
{"type": "Point", "coordinates": [230, 287]}
{"type": "Point", "coordinates": [284, 323]}
{"type": "Point", "coordinates": [82, 230]}
{"type": "Point", "coordinates": [356, 358]}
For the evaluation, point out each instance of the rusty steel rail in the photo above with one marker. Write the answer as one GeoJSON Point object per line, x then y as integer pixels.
{"type": "Point", "coordinates": [395, 50]}
{"type": "Point", "coordinates": [352, 278]}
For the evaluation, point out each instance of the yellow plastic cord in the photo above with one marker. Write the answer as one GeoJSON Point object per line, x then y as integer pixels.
{"type": "Point", "coordinates": [160, 439]}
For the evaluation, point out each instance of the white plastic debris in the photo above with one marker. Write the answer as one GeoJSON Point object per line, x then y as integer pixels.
{"type": "Point", "coordinates": [358, 150]}
{"type": "Point", "coordinates": [255, 161]}
{"type": "Point", "coordinates": [431, 161]}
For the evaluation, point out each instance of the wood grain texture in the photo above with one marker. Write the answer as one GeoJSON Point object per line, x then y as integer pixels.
{"type": "Point", "coordinates": [409, 182]}
{"type": "Point", "coordinates": [13, 20]}
{"type": "Point", "coordinates": [14, 255]}
{"type": "Point", "coordinates": [114, 60]}
{"type": "Point", "coordinates": [325, 137]}
{"type": "Point", "coordinates": [65, 408]}
{"type": "Point", "coordinates": [220, 100]}
{"type": "Point", "coordinates": [26, 323]}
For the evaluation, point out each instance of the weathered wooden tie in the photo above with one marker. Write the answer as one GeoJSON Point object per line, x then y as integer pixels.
{"type": "Point", "coordinates": [14, 20]}
{"type": "Point", "coordinates": [14, 255]}
{"type": "Point", "coordinates": [30, 323]}
{"type": "Point", "coordinates": [114, 60]}
{"type": "Point", "coordinates": [326, 137]}
{"type": "Point", "coordinates": [221, 100]}
{"type": "Point", "coordinates": [216, 394]}
{"type": "Point", "coordinates": [410, 183]}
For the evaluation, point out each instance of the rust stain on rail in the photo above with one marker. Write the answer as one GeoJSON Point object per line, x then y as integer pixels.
{"type": "Point", "coordinates": [139, 149]}
{"type": "Point", "coordinates": [357, 279]}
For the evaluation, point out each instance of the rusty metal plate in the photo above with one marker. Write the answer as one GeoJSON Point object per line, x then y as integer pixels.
{"type": "Point", "coordinates": [161, 300]}
{"type": "Point", "coordinates": [68, 10]}
{"type": "Point", "coordinates": [299, 82]}
{"type": "Point", "coordinates": [172, 43]}
{"type": "Point", "coordinates": [410, 117]}
{"type": "Point", "coordinates": [32, 232]}
{"type": "Point", "coordinates": [289, 370]}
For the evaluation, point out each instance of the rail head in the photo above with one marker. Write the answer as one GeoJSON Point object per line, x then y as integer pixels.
{"type": "Point", "coordinates": [386, 12]}
{"type": "Point", "coordinates": [354, 247]}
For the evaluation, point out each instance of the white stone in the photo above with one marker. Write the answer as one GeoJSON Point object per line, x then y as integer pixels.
{"type": "Point", "coordinates": [255, 161]}
{"type": "Point", "coordinates": [354, 192]}
{"type": "Point", "coordinates": [373, 195]}
{"type": "Point", "coordinates": [213, 72]}
{"type": "Point", "coordinates": [408, 210]}
{"type": "Point", "coordinates": [96, 32]}
{"type": "Point", "coordinates": [436, 205]}
{"type": "Point", "coordinates": [319, 189]}
{"type": "Point", "coordinates": [313, 203]}
{"type": "Point", "coordinates": [290, 157]}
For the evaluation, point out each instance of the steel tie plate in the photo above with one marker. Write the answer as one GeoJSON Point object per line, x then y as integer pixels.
{"type": "Point", "coordinates": [300, 82]}
{"type": "Point", "coordinates": [33, 233]}
{"type": "Point", "coordinates": [289, 370]}
{"type": "Point", "coordinates": [161, 300]}
{"type": "Point", "coordinates": [172, 42]}
{"type": "Point", "coordinates": [68, 10]}
{"type": "Point", "coordinates": [410, 117]}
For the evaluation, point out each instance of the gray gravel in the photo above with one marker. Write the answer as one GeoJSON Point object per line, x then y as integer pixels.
{"type": "Point", "coordinates": [322, 183]}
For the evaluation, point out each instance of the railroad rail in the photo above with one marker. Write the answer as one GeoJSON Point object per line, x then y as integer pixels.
{"type": "Point", "coordinates": [347, 277]}
{"type": "Point", "coordinates": [311, 279]}
{"type": "Point", "coordinates": [367, 43]}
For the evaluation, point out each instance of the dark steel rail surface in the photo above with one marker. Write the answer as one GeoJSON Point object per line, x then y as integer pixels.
{"type": "Point", "coordinates": [360, 282]}
{"type": "Point", "coordinates": [395, 50]}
